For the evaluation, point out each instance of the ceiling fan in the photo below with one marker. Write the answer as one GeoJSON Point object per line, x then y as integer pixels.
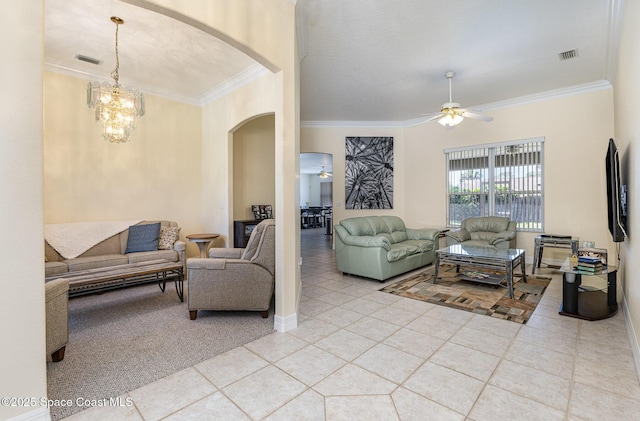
{"type": "Point", "coordinates": [451, 114]}
{"type": "Point", "coordinates": [324, 174]}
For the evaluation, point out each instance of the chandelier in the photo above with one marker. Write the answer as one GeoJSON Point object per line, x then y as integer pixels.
{"type": "Point", "coordinates": [117, 107]}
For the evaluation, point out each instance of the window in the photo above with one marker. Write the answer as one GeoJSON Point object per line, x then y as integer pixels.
{"type": "Point", "coordinates": [501, 179]}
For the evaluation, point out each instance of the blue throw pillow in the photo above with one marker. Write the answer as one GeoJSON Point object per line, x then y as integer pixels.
{"type": "Point", "coordinates": [143, 238]}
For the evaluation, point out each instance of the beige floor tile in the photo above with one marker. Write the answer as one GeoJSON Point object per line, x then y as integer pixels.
{"type": "Point", "coordinates": [340, 316]}
{"type": "Point", "coordinates": [413, 407]}
{"type": "Point", "coordinates": [534, 384]}
{"type": "Point", "coordinates": [230, 366]}
{"type": "Point", "coordinates": [541, 359]}
{"type": "Point", "coordinates": [276, 346]}
{"type": "Point", "coordinates": [416, 306]}
{"type": "Point", "coordinates": [468, 361]}
{"type": "Point", "coordinates": [363, 306]}
{"type": "Point", "coordinates": [563, 325]}
{"type": "Point", "coordinates": [447, 387]}
{"type": "Point", "coordinates": [264, 391]}
{"type": "Point", "coordinates": [498, 404]}
{"type": "Point", "coordinates": [346, 345]}
{"type": "Point", "coordinates": [336, 298]}
{"type": "Point", "coordinates": [353, 380]}
{"type": "Point", "coordinates": [608, 353]}
{"type": "Point", "coordinates": [607, 377]}
{"type": "Point", "coordinates": [415, 343]}
{"type": "Point", "coordinates": [434, 327]}
{"type": "Point", "coordinates": [309, 406]}
{"type": "Point", "coordinates": [172, 393]}
{"type": "Point", "coordinates": [395, 315]}
{"type": "Point", "coordinates": [593, 404]}
{"type": "Point", "coordinates": [127, 411]}
{"type": "Point", "coordinates": [550, 340]}
{"type": "Point", "coordinates": [388, 362]}
{"type": "Point", "coordinates": [480, 340]}
{"type": "Point", "coordinates": [312, 330]}
{"type": "Point", "coordinates": [213, 407]}
{"type": "Point", "coordinates": [313, 306]}
{"type": "Point", "coordinates": [382, 297]}
{"type": "Point", "coordinates": [360, 408]}
{"type": "Point", "coordinates": [310, 364]}
{"type": "Point", "coordinates": [500, 327]}
{"type": "Point", "coordinates": [450, 315]}
{"type": "Point", "coordinates": [312, 291]}
{"type": "Point", "coordinates": [373, 328]}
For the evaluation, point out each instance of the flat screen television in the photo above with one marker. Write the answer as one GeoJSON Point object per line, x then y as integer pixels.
{"type": "Point", "coordinates": [616, 194]}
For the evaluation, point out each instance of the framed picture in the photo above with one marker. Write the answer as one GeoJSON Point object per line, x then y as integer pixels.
{"type": "Point", "coordinates": [262, 211]}
{"type": "Point", "coordinates": [369, 173]}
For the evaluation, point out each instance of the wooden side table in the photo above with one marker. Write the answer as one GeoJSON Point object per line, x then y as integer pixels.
{"type": "Point", "coordinates": [203, 241]}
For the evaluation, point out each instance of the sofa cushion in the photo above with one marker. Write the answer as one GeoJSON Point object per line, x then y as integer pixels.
{"type": "Point", "coordinates": [399, 236]}
{"type": "Point", "coordinates": [147, 256]}
{"type": "Point", "coordinates": [394, 223]}
{"type": "Point", "coordinates": [378, 224]}
{"type": "Point", "coordinates": [143, 238]}
{"type": "Point", "coordinates": [168, 236]}
{"type": "Point", "coordinates": [422, 245]}
{"type": "Point", "coordinates": [95, 262]}
{"type": "Point", "coordinates": [357, 226]}
{"type": "Point", "coordinates": [400, 251]}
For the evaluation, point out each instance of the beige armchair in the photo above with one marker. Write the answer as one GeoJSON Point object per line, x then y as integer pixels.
{"type": "Point", "coordinates": [56, 308]}
{"type": "Point", "coordinates": [486, 231]}
{"type": "Point", "coordinates": [235, 278]}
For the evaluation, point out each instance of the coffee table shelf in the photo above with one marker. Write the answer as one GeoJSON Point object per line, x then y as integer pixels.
{"type": "Point", "coordinates": [484, 257]}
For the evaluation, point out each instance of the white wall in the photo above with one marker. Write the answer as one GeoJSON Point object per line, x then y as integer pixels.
{"type": "Point", "coordinates": [22, 317]}
{"type": "Point", "coordinates": [627, 131]}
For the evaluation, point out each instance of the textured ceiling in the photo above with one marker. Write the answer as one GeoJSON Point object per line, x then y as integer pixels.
{"type": "Point", "coordinates": [361, 60]}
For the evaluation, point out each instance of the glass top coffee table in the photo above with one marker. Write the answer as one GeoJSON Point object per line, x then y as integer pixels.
{"type": "Point", "coordinates": [484, 257]}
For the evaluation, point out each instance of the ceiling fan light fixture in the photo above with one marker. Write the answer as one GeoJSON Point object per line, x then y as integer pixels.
{"type": "Point", "coordinates": [323, 174]}
{"type": "Point", "coordinates": [451, 119]}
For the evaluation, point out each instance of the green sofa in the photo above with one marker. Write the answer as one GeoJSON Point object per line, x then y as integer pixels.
{"type": "Point", "coordinates": [380, 247]}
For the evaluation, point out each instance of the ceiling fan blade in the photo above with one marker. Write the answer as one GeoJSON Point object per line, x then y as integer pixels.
{"type": "Point", "coordinates": [432, 116]}
{"type": "Point", "coordinates": [476, 115]}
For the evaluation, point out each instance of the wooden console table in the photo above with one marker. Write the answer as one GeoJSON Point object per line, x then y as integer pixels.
{"type": "Point", "coordinates": [91, 281]}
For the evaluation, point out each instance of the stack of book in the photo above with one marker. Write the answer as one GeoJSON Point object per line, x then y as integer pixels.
{"type": "Point", "coordinates": [589, 264]}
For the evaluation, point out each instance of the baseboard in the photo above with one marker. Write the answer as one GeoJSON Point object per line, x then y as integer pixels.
{"type": "Point", "coordinates": [40, 414]}
{"type": "Point", "coordinates": [635, 349]}
{"type": "Point", "coordinates": [284, 324]}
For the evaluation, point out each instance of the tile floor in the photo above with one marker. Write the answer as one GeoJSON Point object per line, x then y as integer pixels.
{"type": "Point", "coordinates": [359, 354]}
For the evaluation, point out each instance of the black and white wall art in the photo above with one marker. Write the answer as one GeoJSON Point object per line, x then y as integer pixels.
{"type": "Point", "coordinates": [369, 173]}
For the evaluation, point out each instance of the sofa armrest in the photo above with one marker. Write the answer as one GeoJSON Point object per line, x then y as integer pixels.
{"type": "Point", "coordinates": [57, 317]}
{"type": "Point", "coordinates": [225, 253]}
{"type": "Point", "coordinates": [459, 235]}
{"type": "Point", "coordinates": [181, 248]}
{"type": "Point", "coordinates": [423, 234]}
{"type": "Point", "coordinates": [362, 240]}
{"type": "Point", "coordinates": [503, 236]}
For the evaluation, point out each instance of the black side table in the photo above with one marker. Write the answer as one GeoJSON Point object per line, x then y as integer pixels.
{"type": "Point", "coordinates": [593, 299]}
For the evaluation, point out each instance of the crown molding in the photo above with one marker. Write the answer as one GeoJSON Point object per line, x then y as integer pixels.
{"type": "Point", "coordinates": [242, 78]}
{"type": "Point", "coordinates": [541, 96]}
{"type": "Point", "coordinates": [547, 95]}
{"type": "Point", "coordinates": [248, 75]}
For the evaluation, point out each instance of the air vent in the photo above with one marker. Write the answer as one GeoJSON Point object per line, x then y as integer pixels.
{"type": "Point", "coordinates": [566, 55]}
{"type": "Point", "coordinates": [88, 59]}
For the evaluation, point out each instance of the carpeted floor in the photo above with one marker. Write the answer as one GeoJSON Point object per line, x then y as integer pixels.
{"type": "Point", "coordinates": [452, 290]}
{"type": "Point", "coordinates": [124, 339]}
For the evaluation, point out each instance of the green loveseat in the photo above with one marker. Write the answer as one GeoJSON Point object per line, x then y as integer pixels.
{"type": "Point", "coordinates": [380, 247]}
{"type": "Point", "coordinates": [485, 231]}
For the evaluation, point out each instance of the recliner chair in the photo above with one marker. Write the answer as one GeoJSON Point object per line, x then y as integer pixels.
{"type": "Point", "coordinates": [57, 317]}
{"type": "Point", "coordinates": [235, 278]}
{"type": "Point", "coordinates": [485, 231]}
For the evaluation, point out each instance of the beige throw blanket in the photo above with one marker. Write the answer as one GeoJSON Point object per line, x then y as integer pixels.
{"type": "Point", "coordinates": [74, 238]}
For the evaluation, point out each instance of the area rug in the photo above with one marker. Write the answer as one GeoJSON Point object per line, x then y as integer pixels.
{"type": "Point", "coordinates": [459, 291]}
{"type": "Point", "coordinates": [124, 339]}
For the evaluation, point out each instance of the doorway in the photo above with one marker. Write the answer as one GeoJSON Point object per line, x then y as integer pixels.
{"type": "Point", "coordinates": [316, 191]}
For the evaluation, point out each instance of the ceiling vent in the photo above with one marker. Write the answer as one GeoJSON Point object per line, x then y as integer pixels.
{"type": "Point", "coordinates": [88, 59]}
{"type": "Point", "coordinates": [566, 55]}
